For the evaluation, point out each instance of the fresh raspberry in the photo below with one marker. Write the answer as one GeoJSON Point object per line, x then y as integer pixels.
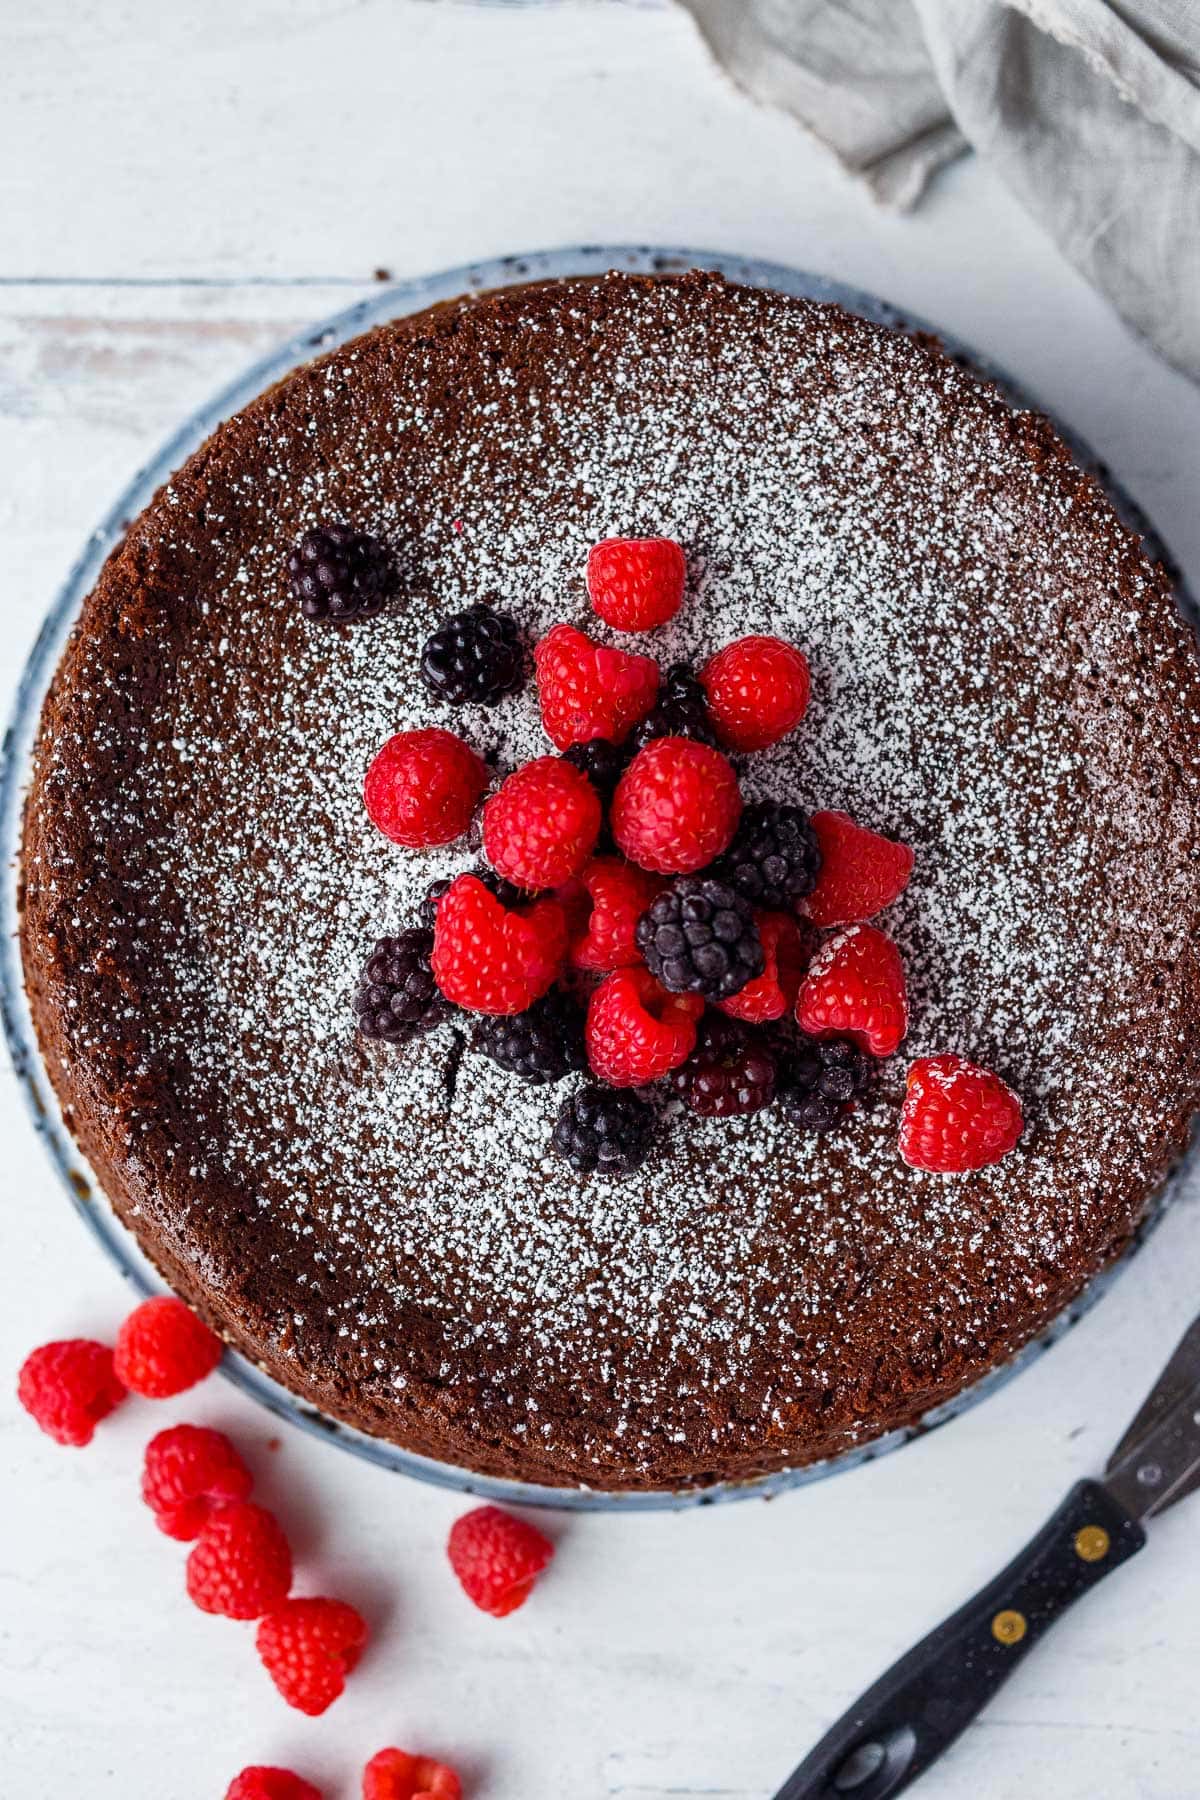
{"type": "Point", "coordinates": [421, 788]}
{"type": "Point", "coordinates": [542, 826]}
{"type": "Point", "coordinates": [261, 1783]}
{"type": "Point", "coordinates": [773, 993]}
{"type": "Point", "coordinates": [163, 1348]}
{"type": "Point", "coordinates": [308, 1647]}
{"type": "Point", "coordinates": [636, 583]}
{"type": "Point", "coordinates": [956, 1116]}
{"type": "Point", "coordinates": [68, 1387]}
{"type": "Point", "coordinates": [757, 691]}
{"type": "Point", "coordinates": [589, 691]}
{"type": "Point", "coordinates": [861, 872]}
{"type": "Point", "coordinates": [503, 891]}
{"type": "Point", "coordinates": [855, 988]}
{"type": "Point", "coordinates": [497, 1558]}
{"type": "Point", "coordinates": [636, 1031]}
{"type": "Point", "coordinates": [676, 807]}
{"type": "Point", "coordinates": [616, 895]}
{"type": "Point", "coordinates": [576, 903]}
{"type": "Point", "coordinates": [396, 1775]}
{"type": "Point", "coordinates": [491, 959]}
{"type": "Point", "coordinates": [189, 1471]}
{"type": "Point", "coordinates": [241, 1564]}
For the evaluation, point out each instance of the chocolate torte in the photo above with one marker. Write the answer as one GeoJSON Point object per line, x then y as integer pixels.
{"type": "Point", "coordinates": [1001, 678]}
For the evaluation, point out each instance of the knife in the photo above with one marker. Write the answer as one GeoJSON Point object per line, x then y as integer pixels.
{"type": "Point", "coordinates": [914, 1712]}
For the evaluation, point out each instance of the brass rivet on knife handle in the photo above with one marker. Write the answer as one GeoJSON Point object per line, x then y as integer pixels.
{"type": "Point", "coordinates": [1092, 1543]}
{"type": "Point", "coordinates": [1009, 1627]}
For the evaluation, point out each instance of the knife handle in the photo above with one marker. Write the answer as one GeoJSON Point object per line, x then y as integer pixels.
{"type": "Point", "coordinates": [903, 1723]}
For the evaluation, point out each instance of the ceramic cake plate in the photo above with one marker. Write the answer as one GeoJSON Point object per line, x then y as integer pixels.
{"type": "Point", "coordinates": [84, 1191]}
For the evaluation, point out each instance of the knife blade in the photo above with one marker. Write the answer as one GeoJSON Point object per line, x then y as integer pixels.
{"type": "Point", "coordinates": [1157, 1462]}
{"type": "Point", "coordinates": [916, 1710]}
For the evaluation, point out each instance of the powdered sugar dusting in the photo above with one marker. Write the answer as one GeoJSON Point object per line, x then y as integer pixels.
{"type": "Point", "coordinates": [830, 483]}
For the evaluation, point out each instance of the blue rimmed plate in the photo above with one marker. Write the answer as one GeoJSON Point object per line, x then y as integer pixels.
{"type": "Point", "coordinates": [84, 1192]}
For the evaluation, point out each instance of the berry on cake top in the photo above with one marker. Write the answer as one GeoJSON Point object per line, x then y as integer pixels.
{"type": "Point", "coordinates": [687, 964]}
{"type": "Point", "coordinates": [999, 678]}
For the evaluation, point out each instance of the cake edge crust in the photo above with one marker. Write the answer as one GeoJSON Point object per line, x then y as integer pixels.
{"type": "Point", "coordinates": [94, 1116]}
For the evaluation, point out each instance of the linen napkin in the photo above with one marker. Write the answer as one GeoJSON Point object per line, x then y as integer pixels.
{"type": "Point", "coordinates": [1089, 112]}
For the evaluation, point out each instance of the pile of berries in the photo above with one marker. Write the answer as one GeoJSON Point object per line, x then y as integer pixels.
{"type": "Point", "coordinates": [71, 1385]}
{"type": "Point", "coordinates": [390, 1775]}
{"type": "Point", "coordinates": [198, 1489]}
{"type": "Point", "coordinates": [634, 919]}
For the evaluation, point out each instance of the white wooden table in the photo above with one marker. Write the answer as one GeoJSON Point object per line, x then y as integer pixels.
{"type": "Point", "coordinates": [179, 188]}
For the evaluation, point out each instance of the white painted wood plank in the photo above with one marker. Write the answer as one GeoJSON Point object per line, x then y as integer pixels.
{"type": "Point", "coordinates": [276, 137]}
{"type": "Point", "coordinates": [91, 381]}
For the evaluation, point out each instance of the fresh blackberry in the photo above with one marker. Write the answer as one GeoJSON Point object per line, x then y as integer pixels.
{"type": "Point", "coordinates": [476, 655]}
{"type": "Point", "coordinates": [774, 859]}
{"type": "Point", "coordinates": [819, 1078]}
{"type": "Point", "coordinates": [427, 911]}
{"type": "Point", "coordinates": [338, 573]}
{"type": "Point", "coordinates": [505, 892]}
{"type": "Point", "coordinates": [603, 764]}
{"type": "Point", "coordinates": [542, 1044]}
{"type": "Point", "coordinates": [681, 710]}
{"type": "Point", "coordinates": [731, 1071]}
{"type": "Point", "coordinates": [603, 1130]}
{"type": "Point", "coordinates": [700, 937]}
{"type": "Point", "coordinates": [397, 997]}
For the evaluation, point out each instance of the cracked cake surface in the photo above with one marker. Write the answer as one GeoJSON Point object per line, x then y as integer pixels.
{"type": "Point", "coordinates": [1001, 678]}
